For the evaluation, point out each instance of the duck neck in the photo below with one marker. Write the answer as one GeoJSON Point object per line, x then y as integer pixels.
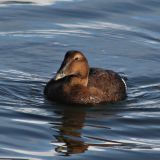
{"type": "Point", "coordinates": [75, 80]}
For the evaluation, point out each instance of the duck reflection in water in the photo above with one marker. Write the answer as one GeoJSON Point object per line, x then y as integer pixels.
{"type": "Point", "coordinates": [71, 133]}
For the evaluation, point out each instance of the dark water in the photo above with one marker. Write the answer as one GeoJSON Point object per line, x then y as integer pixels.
{"type": "Point", "coordinates": [122, 35]}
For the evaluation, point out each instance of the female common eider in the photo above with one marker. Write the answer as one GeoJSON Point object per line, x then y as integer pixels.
{"type": "Point", "coordinates": [76, 83]}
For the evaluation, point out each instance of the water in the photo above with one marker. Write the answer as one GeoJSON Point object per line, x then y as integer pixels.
{"type": "Point", "coordinates": [121, 35]}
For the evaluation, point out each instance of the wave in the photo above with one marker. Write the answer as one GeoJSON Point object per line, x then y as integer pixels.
{"type": "Point", "coordinates": [36, 2]}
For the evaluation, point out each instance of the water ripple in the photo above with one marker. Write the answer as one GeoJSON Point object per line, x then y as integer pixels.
{"type": "Point", "coordinates": [36, 2]}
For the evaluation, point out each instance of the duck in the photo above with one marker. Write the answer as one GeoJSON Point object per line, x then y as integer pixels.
{"type": "Point", "coordinates": [76, 83]}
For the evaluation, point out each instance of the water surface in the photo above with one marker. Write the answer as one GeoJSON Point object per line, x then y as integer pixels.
{"type": "Point", "coordinates": [120, 35]}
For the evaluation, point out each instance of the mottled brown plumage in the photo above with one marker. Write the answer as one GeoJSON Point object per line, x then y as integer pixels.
{"type": "Point", "coordinates": [76, 83]}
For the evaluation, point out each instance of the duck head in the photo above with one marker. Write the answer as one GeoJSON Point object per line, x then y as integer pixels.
{"type": "Point", "coordinates": [75, 66]}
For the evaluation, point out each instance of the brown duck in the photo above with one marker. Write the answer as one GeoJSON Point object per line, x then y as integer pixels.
{"type": "Point", "coordinates": [76, 83]}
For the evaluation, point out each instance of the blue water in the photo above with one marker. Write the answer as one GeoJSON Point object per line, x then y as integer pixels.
{"type": "Point", "coordinates": [121, 35]}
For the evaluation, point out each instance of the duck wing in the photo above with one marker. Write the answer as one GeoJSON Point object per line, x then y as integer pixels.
{"type": "Point", "coordinates": [108, 81]}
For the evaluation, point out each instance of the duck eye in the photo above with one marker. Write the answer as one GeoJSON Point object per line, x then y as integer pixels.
{"type": "Point", "coordinates": [76, 58]}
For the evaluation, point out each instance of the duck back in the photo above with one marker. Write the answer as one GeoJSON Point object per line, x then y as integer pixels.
{"type": "Point", "coordinates": [109, 82]}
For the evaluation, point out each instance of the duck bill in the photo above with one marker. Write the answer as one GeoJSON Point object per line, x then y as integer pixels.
{"type": "Point", "coordinates": [59, 75]}
{"type": "Point", "coordinates": [62, 72]}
